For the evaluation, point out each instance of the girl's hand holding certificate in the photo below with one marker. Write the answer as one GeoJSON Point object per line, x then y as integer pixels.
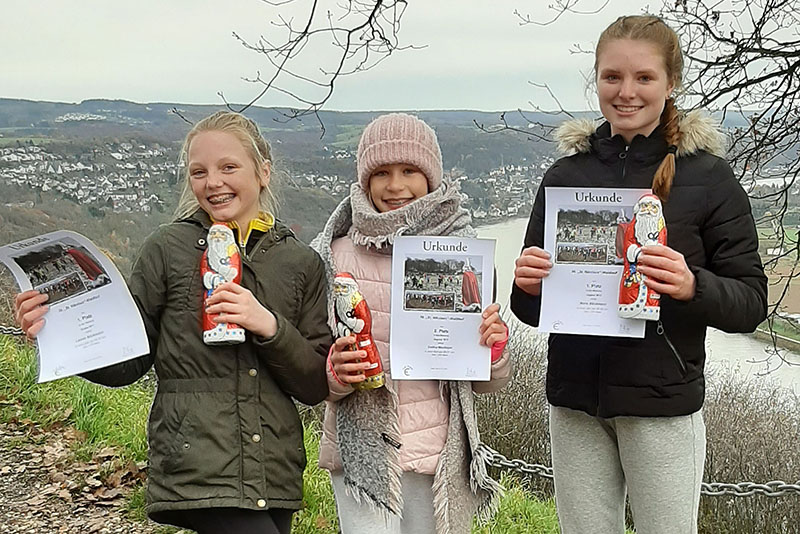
{"type": "Point", "coordinates": [529, 269]}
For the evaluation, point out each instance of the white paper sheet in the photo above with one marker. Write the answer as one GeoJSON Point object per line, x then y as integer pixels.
{"type": "Point", "coordinates": [93, 321]}
{"type": "Point", "coordinates": [581, 294]}
{"type": "Point", "coordinates": [440, 286]}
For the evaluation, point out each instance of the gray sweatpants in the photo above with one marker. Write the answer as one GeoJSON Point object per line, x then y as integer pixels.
{"type": "Point", "coordinates": [657, 460]}
{"type": "Point", "coordinates": [355, 518]}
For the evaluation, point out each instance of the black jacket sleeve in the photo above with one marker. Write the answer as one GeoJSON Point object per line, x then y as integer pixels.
{"type": "Point", "coordinates": [527, 307]}
{"type": "Point", "coordinates": [731, 292]}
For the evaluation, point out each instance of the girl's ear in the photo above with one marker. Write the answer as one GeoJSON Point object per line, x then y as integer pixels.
{"type": "Point", "coordinates": [264, 175]}
{"type": "Point", "coordinates": [671, 89]}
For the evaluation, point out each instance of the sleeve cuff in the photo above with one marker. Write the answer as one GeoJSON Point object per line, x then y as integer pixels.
{"type": "Point", "coordinates": [336, 388]}
{"type": "Point", "coordinates": [331, 371]}
{"type": "Point", "coordinates": [498, 346]}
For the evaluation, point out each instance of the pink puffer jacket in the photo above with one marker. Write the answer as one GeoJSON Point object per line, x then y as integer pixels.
{"type": "Point", "coordinates": [423, 415]}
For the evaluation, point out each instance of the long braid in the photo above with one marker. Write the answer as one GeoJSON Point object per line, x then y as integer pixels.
{"type": "Point", "coordinates": [662, 180]}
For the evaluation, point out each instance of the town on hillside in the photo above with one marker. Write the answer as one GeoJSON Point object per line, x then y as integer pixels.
{"type": "Point", "coordinates": [123, 156]}
{"type": "Point", "coordinates": [134, 176]}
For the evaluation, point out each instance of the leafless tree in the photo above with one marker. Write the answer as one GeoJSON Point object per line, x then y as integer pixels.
{"type": "Point", "coordinates": [310, 44]}
{"type": "Point", "coordinates": [743, 60]}
{"type": "Point", "coordinates": [742, 64]}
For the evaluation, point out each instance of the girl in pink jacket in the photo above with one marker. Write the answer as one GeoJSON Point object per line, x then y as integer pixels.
{"type": "Point", "coordinates": [402, 458]}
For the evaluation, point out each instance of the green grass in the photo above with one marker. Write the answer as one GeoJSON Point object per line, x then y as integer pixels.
{"type": "Point", "coordinates": [766, 235]}
{"type": "Point", "coordinates": [782, 327]}
{"type": "Point", "coordinates": [520, 512]}
{"type": "Point", "coordinates": [117, 417]}
{"type": "Point", "coordinates": [348, 136]}
{"type": "Point", "coordinates": [319, 509]}
{"type": "Point", "coordinates": [109, 417]}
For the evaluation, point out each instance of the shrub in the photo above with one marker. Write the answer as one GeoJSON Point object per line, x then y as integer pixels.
{"type": "Point", "coordinates": [513, 421]}
{"type": "Point", "coordinates": [753, 428]}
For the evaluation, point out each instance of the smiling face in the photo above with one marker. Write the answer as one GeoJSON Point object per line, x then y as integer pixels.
{"type": "Point", "coordinates": [396, 185]}
{"type": "Point", "coordinates": [224, 178]}
{"type": "Point", "coordinates": [632, 86]}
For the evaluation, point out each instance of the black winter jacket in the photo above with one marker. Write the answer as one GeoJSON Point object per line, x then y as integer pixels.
{"type": "Point", "coordinates": [223, 430]}
{"type": "Point", "coordinates": [709, 221]}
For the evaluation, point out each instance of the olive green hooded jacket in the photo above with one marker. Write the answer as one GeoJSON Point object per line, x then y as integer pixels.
{"type": "Point", "coordinates": [223, 429]}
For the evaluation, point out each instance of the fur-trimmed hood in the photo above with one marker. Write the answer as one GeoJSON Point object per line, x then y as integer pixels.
{"type": "Point", "coordinates": [698, 132]}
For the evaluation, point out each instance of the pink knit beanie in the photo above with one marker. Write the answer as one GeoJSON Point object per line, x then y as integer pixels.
{"type": "Point", "coordinates": [399, 138]}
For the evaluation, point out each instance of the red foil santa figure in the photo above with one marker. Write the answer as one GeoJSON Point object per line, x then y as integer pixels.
{"type": "Point", "coordinates": [354, 318]}
{"type": "Point", "coordinates": [221, 263]}
{"type": "Point", "coordinates": [636, 300]}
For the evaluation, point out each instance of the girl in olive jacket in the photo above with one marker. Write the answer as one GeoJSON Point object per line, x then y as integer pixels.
{"type": "Point", "coordinates": [625, 414]}
{"type": "Point", "coordinates": [226, 441]}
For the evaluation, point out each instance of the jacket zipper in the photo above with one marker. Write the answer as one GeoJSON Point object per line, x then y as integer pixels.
{"type": "Point", "coordinates": [242, 246]}
{"type": "Point", "coordinates": [624, 157]}
{"type": "Point", "coordinates": [660, 328]}
{"type": "Point", "coordinates": [246, 257]}
{"type": "Point", "coordinates": [257, 246]}
{"type": "Point", "coordinates": [660, 331]}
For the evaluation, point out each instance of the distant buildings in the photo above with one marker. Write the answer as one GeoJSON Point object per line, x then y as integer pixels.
{"type": "Point", "coordinates": [123, 177]}
{"type": "Point", "coordinates": [131, 176]}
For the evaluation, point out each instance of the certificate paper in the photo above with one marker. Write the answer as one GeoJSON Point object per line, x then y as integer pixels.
{"type": "Point", "coordinates": [93, 321]}
{"type": "Point", "coordinates": [440, 286]}
{"type": "Point", "coordinates": [583, 230]}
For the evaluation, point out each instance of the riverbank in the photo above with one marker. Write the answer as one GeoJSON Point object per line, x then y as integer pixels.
{"type": "Point", "coordinates": [782, 342]}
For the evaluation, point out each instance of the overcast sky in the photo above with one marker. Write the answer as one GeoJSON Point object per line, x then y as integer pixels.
{"type": "Point", "coordinates": [476, 55]}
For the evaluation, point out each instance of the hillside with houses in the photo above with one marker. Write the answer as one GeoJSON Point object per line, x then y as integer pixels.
{"type": "Point", "coordinates": [116, 159]}
{"type": "Point", "coordinates": [122, 157]}
{"type": "Point", "coordinates": [122, 177]}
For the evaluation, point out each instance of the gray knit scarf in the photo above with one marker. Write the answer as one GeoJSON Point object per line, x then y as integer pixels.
{"type": "Point", "coordinates": [366, 421]}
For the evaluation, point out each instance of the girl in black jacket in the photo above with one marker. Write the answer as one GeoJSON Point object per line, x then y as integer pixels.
{"type": "Point", "coordinates": [625, 413]}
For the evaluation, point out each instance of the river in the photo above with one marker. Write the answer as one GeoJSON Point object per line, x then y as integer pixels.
{"type": "Point", "coordinates": [743, 352]}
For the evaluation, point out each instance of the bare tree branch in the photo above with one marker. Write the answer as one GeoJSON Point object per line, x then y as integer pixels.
{"type": "Point", "coordinates": [351, 37]}
{"type": "Point", "coordinates": [179, 113]}
{"type": "Point", "coordinates": [535, 131]}
{"type": "Point", "coordinates": [560, 8]}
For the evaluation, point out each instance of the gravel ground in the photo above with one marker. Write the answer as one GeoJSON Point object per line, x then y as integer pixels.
{"type": "Point", "coordinates": [43, 489]}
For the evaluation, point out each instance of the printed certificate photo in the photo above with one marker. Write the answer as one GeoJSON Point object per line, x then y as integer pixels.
{"type": "Point", "coordinates": [583, 231]}
{"type": "Point", "coordinates": [93, 321]}
{"type": "Point", "coordinates": [440, 286]}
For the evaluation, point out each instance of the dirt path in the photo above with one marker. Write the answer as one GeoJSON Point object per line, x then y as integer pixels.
{"type": "Point", "coordinates": [43, 489]}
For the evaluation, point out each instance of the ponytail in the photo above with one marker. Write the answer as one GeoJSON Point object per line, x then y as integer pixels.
{"type": "Point", "coordinates": [662, 180]}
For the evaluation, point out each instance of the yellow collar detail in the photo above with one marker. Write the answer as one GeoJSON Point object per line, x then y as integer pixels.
{"type": "Point", "coordinates": [262, 223]}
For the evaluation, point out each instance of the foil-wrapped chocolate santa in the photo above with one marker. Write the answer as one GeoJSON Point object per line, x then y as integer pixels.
{"type": "Point", "coordinates": [221, 263]}
{"type": "Point", "coordinates": [354, 318]}
{"type": "Point", "coordinates": [636, 300]}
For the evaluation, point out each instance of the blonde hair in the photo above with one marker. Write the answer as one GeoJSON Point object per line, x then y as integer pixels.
{"type": "Point", "coordinates": [653, 30]}
{"type": "Point", "coordinates": [247, 132]}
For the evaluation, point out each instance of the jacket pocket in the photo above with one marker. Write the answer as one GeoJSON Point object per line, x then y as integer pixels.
{"type": "Point", "coordinates": [180, 445]}
{"type": "Point", "coordinates": [672, 349]}
{"type": "Point", "coordinates": [195, 292]}
{"type": "Point", "coordinates": [284, 438]}
{"type": "Point", "coordinates": [196, 448]}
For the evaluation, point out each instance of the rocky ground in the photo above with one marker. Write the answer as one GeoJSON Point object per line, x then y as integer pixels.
{"type": "Point", "coordinates": [45, 489]}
